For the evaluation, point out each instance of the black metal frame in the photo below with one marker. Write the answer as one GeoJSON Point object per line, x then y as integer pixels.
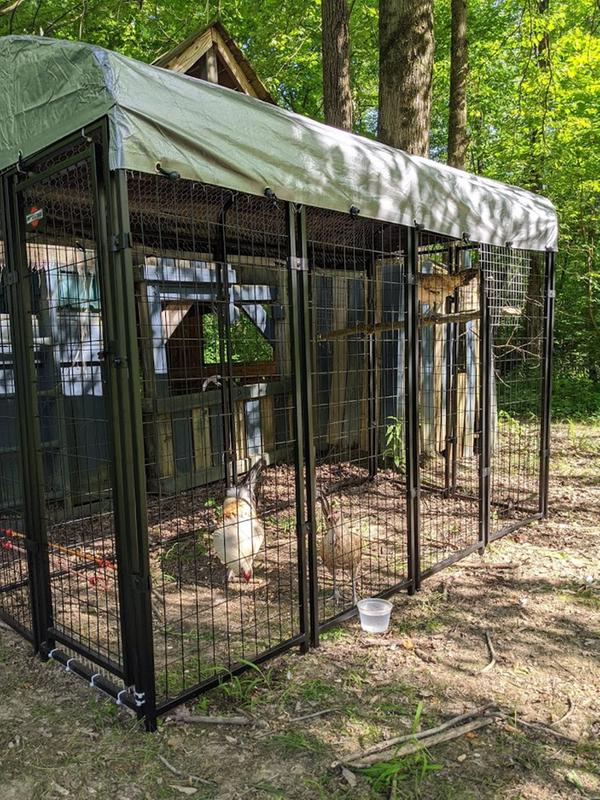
{"type": "Point", "coordinates": [114, 252]}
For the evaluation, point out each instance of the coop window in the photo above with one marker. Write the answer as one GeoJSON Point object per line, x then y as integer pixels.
{"type": "Point", "coordinates": [247, 343]}
{"type": "Point", "coordinates": [78, 292]}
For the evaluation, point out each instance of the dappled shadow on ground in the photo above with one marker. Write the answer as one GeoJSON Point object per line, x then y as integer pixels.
{"type": "Point", "coordinates": [536, 594]}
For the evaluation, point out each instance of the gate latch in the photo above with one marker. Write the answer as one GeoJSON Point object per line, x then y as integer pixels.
{"type": "Point", "coordinates": [120, 241]}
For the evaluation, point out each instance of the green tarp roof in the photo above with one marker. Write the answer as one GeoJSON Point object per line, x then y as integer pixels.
{"type": "Point", "coordinates": [50, 88]}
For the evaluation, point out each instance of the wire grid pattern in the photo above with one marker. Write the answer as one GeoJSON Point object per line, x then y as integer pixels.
{"type": "Point", "coordinates": [516, 280]}
{"type": "Point", "coordinates": [70, 386]}
{"type": "Point", "coordinates": [15, 605]}
{"type": "Point", "coordinates": [214, 338]}
{"type": "Point", "coordinates": [449, 397]}
{"type": "Point", "coordinates": [357, 307]}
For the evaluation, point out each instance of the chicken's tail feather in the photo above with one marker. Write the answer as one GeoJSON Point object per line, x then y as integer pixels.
{"type": "Point", "coordinates": [252, 477]}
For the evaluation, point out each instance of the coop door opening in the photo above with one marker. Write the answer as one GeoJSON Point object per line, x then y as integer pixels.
{"type": "Point", "coordinates": [449, 398]}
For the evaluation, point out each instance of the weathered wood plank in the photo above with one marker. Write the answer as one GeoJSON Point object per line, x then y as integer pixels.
{"type": "Point", "coordinates": [201, 439]}
{"type": "Point", "coordinates": [339, 375]}
{"type": "Point", "coordinates": [267, 423]}
{"type": "Point", "coordinates": [166, 460]}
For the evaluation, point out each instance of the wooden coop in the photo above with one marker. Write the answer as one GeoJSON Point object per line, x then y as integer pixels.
{"type": "Point", "coordinates": [252, 367]}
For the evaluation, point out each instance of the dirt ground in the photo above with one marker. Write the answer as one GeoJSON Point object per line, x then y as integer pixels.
{"type": "Point", "coordinates": [536, 594]}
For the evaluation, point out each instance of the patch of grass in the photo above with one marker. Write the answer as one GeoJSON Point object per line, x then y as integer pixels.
{"type": "Point", "coordinates": [244, 689]}
{"type": "Point", "coordinates": [285, 524]}
{"type": "Point", "coordinates": [410, 770]}
{"type": "Point", "coordinates": [315, 690]}
{"type": "Point", "coordinates": [294, 741]}
{"type": "Point", "coordinates": [588, 596]}
{"type": "Point", "coordinates": [334, 634]}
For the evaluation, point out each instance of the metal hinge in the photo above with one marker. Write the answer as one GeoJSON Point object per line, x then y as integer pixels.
{"type": "Point", "coordinates": [120, 241]}
{"type": "Point", "coordinates": [12, 278]}
{"type": "Point", "coordinates": [552, 293]}
{"type": "Point", "coordinates": [485, 472]}
{"type": "Point", "coordinates": [301, 264]}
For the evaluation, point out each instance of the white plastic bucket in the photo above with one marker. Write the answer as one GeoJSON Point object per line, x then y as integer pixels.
{"type": "Point", "coordinates": [374, 614]}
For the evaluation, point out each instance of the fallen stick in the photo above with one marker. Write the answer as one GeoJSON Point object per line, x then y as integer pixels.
{"type": "Point", "coordinates": [311, 716]}
{"type": "Point", "coordinates": [568, 712]}
{"type": "Point", "coordinates": [181, 774]}
{"type": "Point", "coordinates": [490, 645]}
{"type": "Point", "coordinates": [424, 743]}
{"type": "Point", "coordinates": [386, 744]}
{"type": "Point", "coordinates": [539, 726]}
{"type": "Point", "coordinates": [184, 716]}
{"type": "Point", "coordinates": [498, 565]}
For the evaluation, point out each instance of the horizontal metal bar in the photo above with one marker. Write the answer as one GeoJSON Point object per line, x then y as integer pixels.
{"type": "Point", "coordinates": [11, 587]}
{"type": "Point", "coordinates": [185, 402]}
{"type": "Point", "coordinates": [16, 626]}
{"type": "Point", "coordinates": [100, 682]}
{"type": "Point", "coordinates": [515, 526]}
{"type": "Point", "coordinates": [237, 669]}
{"type": "Point", "coordinates": [447, 562]}
{"type": "Point", "coordinates": [85, 652]}
{"type": "Point", "coordinates": [39, 177]}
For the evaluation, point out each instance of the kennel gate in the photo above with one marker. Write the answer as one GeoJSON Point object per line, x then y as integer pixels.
{"type": "Point", "coordinates": [131, 303]}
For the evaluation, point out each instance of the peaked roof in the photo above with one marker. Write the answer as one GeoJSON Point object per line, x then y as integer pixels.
{"type": "Point", "coordinates": [51, 88]}
{"type": "Point", "coordinates": [185, 57]}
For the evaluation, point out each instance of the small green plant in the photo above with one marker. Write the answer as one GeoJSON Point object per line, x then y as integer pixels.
{"type": "Point", "coordinates": [394, 442]}
{"type": "Point", "coordinates": [242, 688]}
{"type": "Point", "coordinates": [509, 422]}
{"type": "Point", "coordinates": [212, 503]}
{"type": "Point", "coordinates": [411, 769]}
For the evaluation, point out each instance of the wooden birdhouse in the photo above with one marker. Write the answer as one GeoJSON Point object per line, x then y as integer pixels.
{"type": "Point", "coordinates": [212, 55]}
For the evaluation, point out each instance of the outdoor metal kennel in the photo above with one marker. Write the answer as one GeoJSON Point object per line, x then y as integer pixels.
{"type": "Point", "coordinates": [194, 282]}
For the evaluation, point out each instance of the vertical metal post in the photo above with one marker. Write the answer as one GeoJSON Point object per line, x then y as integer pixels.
{"type": "Point", "coordinates": [295, 331]}
{"type": "Point", "coordinates": [546, 399]}
{"type": "Point", "coordinates": [371, 368]}
{"type": "Point", "coordinates": [34, 511]}
{"type": "Point", "coordinates": [411, 322]}
{"type": "Point", "coordinates": [485, 405]}
{"type": "Point", "coordinates": [302, 363]}
{"type": "Point", "coordinates": [454, 328]}
{"type": "Point", "coordinates": [225, 351]}
{"type": "Point", "coordinates": [131, 531]}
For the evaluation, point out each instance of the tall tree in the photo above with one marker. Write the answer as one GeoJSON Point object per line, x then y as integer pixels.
{"type": "Point", "coordinates": [540, 46]}
{"type": "Point", "coordinates": [337, 95]}
{"type": "Point", "coordinates": [459, 70]}
{"type": "Point", "coordinates": [406, 46]}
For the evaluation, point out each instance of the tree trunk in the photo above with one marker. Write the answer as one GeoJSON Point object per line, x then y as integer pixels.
{"type": "Point", "coordinates": [534, 316]}
{"type": "Point", "coordinates": [406, 47]}
{"type": "Point", "coordinates": [337, 96]}
{"type": "Point", "coordinates": [459, 70]}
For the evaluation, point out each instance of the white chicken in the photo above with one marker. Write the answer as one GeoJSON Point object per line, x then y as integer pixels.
{"type": "Point", "coordinates": [240, 534]}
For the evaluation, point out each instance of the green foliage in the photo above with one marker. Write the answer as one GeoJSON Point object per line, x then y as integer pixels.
{"type": "Point", "coordinates": [247, 343]}
{"type": "Point", "coordinates": [410, 769]}
{"type": "Point", "coordinates": [394, 442]}
{"type": "Point", "coordinates": [530, 124]}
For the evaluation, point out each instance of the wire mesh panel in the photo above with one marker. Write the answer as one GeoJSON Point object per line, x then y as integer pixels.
{"type": "Point", "coordinates": [357, 284]}
{"type": "Point", "coordinates": [516, 296]}
{"type": "Point", "coordinates": [449, 397]}
{"type": "Point", "coordinates": [15, 601]}
{"type": "Point", "coordinates": [214, 335]}
{"type": "Point", "coordinates": [58, 219]}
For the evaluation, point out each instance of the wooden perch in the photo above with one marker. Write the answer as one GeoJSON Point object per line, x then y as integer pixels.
{"type": "Point", "coordinates": [398, 325]}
